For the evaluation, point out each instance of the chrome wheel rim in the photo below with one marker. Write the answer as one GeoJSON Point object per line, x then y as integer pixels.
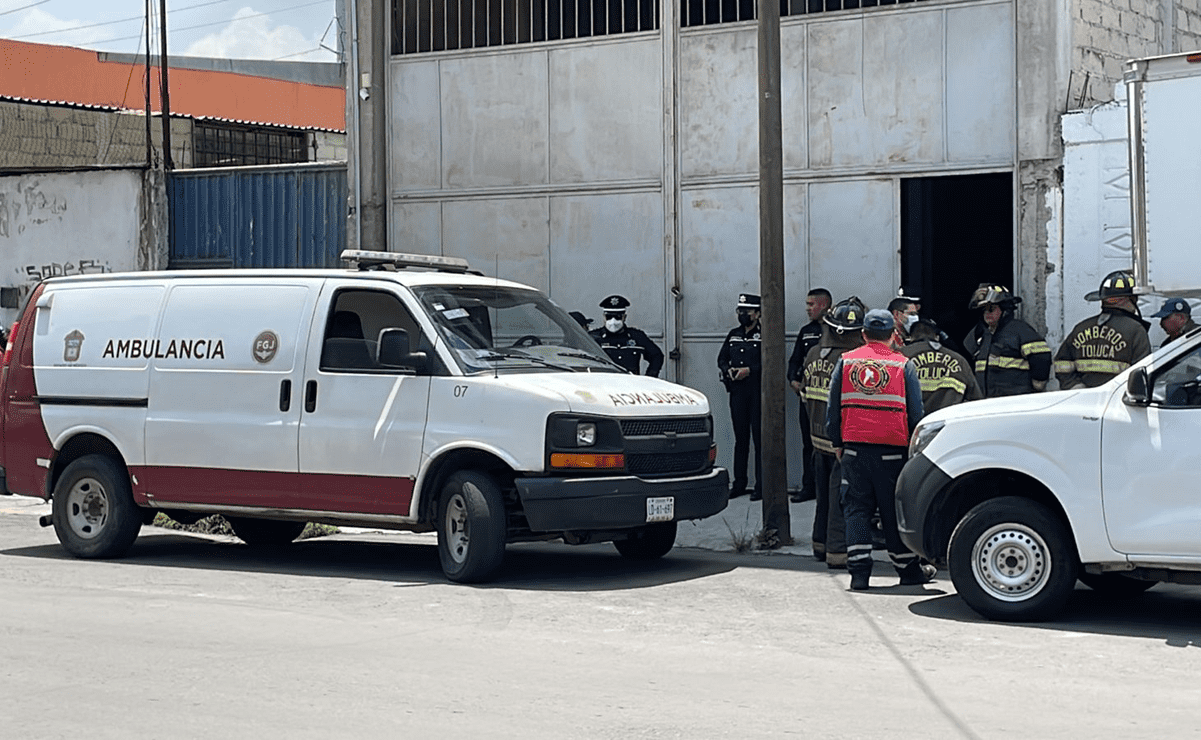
{"type": "Point", "coordinates": [458, 534]}
{"type": "Point", "coordinates": [1011, 562]}
{"type": "Point", "coordinates": [88, 508]}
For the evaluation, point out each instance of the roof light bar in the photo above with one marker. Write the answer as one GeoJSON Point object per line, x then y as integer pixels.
{"type": "Point", "coordinates": [365, 260]}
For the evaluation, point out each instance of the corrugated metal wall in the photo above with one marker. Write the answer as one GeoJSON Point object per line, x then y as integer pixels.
{"type": "Point", "coordinates": [274, 216]}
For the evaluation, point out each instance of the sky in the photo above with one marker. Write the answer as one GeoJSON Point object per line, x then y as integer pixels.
{"type": "Point", "coordinates": [291, 30]}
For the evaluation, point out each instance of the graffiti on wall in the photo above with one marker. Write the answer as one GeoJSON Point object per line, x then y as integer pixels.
{"type": "Point", "coordinates": [30, 275]}
{"type": "Point", "coordinates": [29, 206]}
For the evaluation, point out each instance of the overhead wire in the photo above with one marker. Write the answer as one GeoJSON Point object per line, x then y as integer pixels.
{"type": "Point", "coordinates": [24, 7]}
{"type": "Point", "coordinates": [140, 19]}
{"type": "Point", "coordinates": [222, 22]}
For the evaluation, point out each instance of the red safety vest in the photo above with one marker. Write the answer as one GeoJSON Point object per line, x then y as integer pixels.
{"type": "Point", "coordinates": [873, 396]}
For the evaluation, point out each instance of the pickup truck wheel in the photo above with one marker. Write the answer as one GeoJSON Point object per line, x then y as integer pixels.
{"type": "Point", "coordinates": [264, 532]}
{"type": "Point", "coordinates": [93, 510]}
{"type": "Point", "coordinates": [472, 527]}
{"type": "Point", "coordinates": [1011, 560]}
{"type": "Point", "coordinates": [1115, 584]}
{"type": "Point", "coordinates": [648, 543]}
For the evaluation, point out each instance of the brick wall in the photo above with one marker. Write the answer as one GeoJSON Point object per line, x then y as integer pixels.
{"type": "Point", "coordinates": [40, 135]}
{"type": "Point", "coordinates": [1106, 33]}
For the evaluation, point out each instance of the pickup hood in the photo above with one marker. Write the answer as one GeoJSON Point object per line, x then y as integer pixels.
{"type": "Point", "coordinates": [614, 394]}
{"type": "Point", "coordinates": [1029, 403]}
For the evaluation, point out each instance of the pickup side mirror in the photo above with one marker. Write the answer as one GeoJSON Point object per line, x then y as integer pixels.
{"type": "Point", "coordinates": [1138, 388]}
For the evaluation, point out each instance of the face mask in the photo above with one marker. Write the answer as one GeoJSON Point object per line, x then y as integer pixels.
{"type": "Point", "coordinates": [614, 325]}
{"type": "Point", "coordinates": [745, 320]}
{"type": "Point", "coordinates": [910, 320]}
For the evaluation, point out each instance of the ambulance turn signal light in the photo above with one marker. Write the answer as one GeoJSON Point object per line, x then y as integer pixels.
{"type": "Point", "coordinates": [587, 460]}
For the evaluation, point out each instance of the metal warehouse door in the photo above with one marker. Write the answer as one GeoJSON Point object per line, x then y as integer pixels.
{"type": "Point", "coordinates": [270, 216]}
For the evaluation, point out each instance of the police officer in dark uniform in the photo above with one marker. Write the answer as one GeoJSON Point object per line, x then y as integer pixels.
{"type": "Point", "coordinates": [1104, 345]}
{"type": "Point", "coordinates": [741, 373]}
{"type": "Point", "coordinates": [624, 344]}
{"type": "Point", "coordinates": [817, 303]}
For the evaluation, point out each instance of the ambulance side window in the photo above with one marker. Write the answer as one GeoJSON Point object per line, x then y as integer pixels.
{"type": "Point", "coordinates": [1179, 385]}
{"type": "Point", "coordinates": [356, 320]}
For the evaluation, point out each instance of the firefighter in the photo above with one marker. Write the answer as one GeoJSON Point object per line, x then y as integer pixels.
{"type": "Point", "coordinates": [1104, 345]}
{"type": "Point", "coordinates": [875, 403]}
{"type": "Point", "coordinates": [1008, 355]}
{"type": "Point", "coordinates": [842, 331]}
{"type": "Point", "coordinates": [739, 364]}
{"type": "Point", "coordinates": [624, 344]}
{"type": "Point", "coordinates": [816, 304]}
{"type": "Point", "coordinates": [1175, 318]}
{"type": "Point", "coordinates": [945, 375]}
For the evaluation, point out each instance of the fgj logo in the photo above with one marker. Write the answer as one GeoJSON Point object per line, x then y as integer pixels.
{"type": "Point", "coordinates": [869, 376]}
{"type": "Point", "coordinates": [72, 346]}
{"type": "Point", "coordinates": [266, 345]}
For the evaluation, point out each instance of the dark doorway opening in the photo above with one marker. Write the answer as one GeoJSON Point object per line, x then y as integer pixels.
{"type": "Point", "coordinates": [957, 233]}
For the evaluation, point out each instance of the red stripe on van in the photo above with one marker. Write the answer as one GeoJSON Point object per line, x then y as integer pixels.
{"type": "Point", "coordinates": [24, 431]}
{"type": "Point", "coordinates": [357, 494]}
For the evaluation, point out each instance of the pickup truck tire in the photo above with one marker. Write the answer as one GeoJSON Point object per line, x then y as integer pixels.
{"type": "Point", "coordinates": [1012, 560]}
{"type": "Point", "coordinates": [648, 543]}
{"type": "Point", "coordinates": [1115, 584]}
{"type": "Point", "coordinates": [471, 527]}
{"type": "Point", "coordinates": [264, 532]}
{"type": "Point", "coordinates": [93, 510]}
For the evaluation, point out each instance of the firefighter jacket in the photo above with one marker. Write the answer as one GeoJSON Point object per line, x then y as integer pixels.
{"type": "Point", "coordinates": [1010, 360]}
{"type": "Point", "coordinates": [1188, 326]}
{"type": "Point", "coordinates": [741, 349]}
{"type": "Point", "coordinates": [628, 347]}
{"type": "Point", "coordinates": [815, 378]}
{"type": "Point", "coordinates": [807, 338]}
{"type": "Point", "coordinates": [945, 375]}
{"type": "Point", "coordinates": [1100, 347]}
{"type": "Point", "coordinates": [875, 398]}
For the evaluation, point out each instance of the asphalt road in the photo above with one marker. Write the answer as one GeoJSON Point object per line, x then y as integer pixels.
{"type": "Point", "coordinates": [358, 635]}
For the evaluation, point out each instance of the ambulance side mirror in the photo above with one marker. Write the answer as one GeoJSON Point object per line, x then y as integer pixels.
{"type": "Point", "coordinates": [1138, 388]}
{"type": "Point", "coordinates": [394, 351]}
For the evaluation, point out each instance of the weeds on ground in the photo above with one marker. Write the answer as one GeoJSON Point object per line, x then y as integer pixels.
{"type": "Point", "coordinates": [216, 524]}
{"type": "Point", "coordinates": [743, 539]}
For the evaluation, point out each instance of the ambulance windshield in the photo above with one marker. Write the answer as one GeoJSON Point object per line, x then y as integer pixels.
{"type": "Point", "coordinates": [502, 329]}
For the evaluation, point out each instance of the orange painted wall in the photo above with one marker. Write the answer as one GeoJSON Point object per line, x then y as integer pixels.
{"type": "Point", "coordinates": [67, 74]}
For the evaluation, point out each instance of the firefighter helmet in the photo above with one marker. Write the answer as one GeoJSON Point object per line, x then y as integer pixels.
{"type": "Point", "coordinates": [846, 315]}
{"type": "Point", "coordinates": [992, 293]}
{"type": "Point", "coordinates": [1117, 283]}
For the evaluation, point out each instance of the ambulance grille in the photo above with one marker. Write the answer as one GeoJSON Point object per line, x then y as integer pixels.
{"type": "Point", "coordinates": [655, 427]}
{"type": "Point", "coordinates": [667, 463]}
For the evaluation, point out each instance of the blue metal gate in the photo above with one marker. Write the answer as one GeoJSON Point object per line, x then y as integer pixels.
{"type": "Point", "coordinates": [272, 216]}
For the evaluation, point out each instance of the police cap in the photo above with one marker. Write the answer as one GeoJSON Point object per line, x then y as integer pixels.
{"type": "Point", "coordinates": [615, 303]}
{"type": "Point", "coordinates": [748, 300]}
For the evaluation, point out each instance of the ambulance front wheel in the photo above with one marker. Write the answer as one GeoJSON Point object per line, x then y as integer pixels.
{"type": "Point", "coordinates": [471, 527]}
{"type": "Point", "coordinates": [93, 510]}
{"type": "Point", "coordinates": [648, 543]}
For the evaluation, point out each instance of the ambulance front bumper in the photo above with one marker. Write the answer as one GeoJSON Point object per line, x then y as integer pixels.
{"type": "Point", "coordinates": [623, 502]}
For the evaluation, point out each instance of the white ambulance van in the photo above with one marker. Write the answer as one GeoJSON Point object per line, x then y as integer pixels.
{"type": "Point", "coordinates": [404, 393]}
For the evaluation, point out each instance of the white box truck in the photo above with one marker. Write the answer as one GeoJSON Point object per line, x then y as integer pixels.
{"type": "Point", "coordinates": [1022, 496]}
{"type": "Point", "coordinates": [406, 394]}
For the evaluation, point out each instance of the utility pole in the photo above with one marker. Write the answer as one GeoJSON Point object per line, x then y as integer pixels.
{"type": "Point", "coordinates": [165, 107]}
{"type": "Point", "coordinates": [776, 519]}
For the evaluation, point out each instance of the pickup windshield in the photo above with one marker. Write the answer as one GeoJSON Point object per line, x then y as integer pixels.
{"type": "Point", "coordinates": [502, 329]}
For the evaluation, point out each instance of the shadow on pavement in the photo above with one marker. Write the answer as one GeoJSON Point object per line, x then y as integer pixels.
{"type": "Point", "coordinates": [1167, 612]}
{"type": "Point", "coordinates": [528, 566]}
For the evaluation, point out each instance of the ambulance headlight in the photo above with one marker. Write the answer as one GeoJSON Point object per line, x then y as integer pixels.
{"type": "Point", "coordinates": [924, 435]}
{"type": "Point", "coordinates": [585, 434]}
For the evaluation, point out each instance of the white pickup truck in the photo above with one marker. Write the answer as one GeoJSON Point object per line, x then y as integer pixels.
{"type": "Point", "coordinates": [1024, 495]}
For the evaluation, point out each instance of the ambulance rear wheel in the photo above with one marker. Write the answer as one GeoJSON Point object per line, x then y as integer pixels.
{"type": "Point", "coordinates": [471, 527]}
{"type": "Point", "coordinates": [93, 510]}
{"type": "Point", "coordinates": [264, 532]}
{"type": "Point", "coordinates": [648, 543]}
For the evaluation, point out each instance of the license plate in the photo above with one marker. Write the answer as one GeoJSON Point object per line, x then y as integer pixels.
{"type": "Point", "coordinates": [661, 509]}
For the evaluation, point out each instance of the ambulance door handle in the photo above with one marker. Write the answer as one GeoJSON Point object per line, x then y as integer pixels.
{"type": "Point", "coordinates": [310, 396]}
{"type": "Point", "coordinates": [285, 395]}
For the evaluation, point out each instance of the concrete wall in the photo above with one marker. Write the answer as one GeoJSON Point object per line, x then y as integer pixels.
{"type": "Point", "coordinates": [70, 224]}
{"type": "Point", "coordinates": [40, 135]}
{"type": "Point", "coordinates": [1106, 33]}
